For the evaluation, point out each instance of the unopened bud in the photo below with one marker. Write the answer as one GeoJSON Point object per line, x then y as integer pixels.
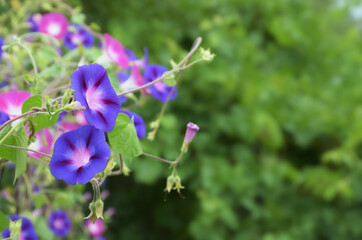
{"type": "Point", "coordinates": [15, 228]}
{"type": "Point", "coordinates": [191, 131]}
{"type": "Point", "coordinates": [207, 55]}
{"type": "Point", "coordinates": [170, 183]}
{"type": "Point", "coordinates": [178, 185]}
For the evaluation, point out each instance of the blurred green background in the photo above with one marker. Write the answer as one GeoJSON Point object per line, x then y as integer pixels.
{"type": "Point", "coordinates": [278, 156]}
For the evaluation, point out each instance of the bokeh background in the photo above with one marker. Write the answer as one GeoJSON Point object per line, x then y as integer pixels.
{"type": "Point", "coordinates": [278, 156]}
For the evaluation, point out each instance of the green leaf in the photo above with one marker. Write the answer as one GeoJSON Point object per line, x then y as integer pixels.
{"type": "Point", "coordinates": [52, 71]}
{"type": "Point", "coordinates": [39, 200]}
{"type": "Point", "coordinates": [124, 137]}
{"type": "Point", "coordinates": [170, 80]}
{"type": "Point", "coordinates": [4, 223]}
{"type": "Point", "coordinates": [4, 131]}
{"type": "Point", "coordinates": [18, 156]}
{"type": "Point", "coordinates": [42, 229]}
{"type": "Point", "coordinates": [33, 101]}
{"type": "Point", "coordinates": [114, 80]}
{"type": "Point", "coordinates": [43, 121]}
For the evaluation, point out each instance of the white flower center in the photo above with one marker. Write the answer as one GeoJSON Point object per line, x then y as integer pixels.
{"type": "Point", "coordinates": [53, 29]}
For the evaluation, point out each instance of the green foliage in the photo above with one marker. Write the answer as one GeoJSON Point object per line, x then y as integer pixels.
{"type": "Point", "coordinates": [278, 155]}
{"type": "Point", "coordinates": [31, 102]}
{"type": "Point", "coordinates": [41, 121]}
{"type": "Point", "coordinates": [18, 156]}
{"type": "Point", "coordinates": [124, 137]}
{"type": "Point", "coordinates": [4, 223]}
{"type": "Point", "coordinates": [170, 80]}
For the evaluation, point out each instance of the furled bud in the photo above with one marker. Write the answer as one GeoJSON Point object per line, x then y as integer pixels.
{"type": "Point", "coordinates": [178, 185]}
{"type": "Point", "coordinates": [191, 131]}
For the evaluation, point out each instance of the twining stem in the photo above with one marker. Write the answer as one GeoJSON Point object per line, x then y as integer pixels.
{"type": "Point", "coordinates": [163, 109]}
{"type": "Point", "coordinates": [30, 150]}
{"type": "Point", "coordinates": [20, 116]}
{"type": "Point", "coordinates": [172, 163]}
{"type": "Point", "coordinates": [175, 69]}
{"type": "Point", "coordinates": [18, 41]}
{"type": "Point", "coordinates": [157, 158]}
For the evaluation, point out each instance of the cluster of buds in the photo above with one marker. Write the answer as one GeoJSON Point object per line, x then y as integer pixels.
{"type": "Point", "coordinates": [96, 206]}
{"type": "Point", "coordinates": [174, 183]}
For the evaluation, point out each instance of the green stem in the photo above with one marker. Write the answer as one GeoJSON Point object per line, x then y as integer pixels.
{"type": "Point", "coordinates": [11, 131]}
{"type": "Point", "coordinates": [18, 41]}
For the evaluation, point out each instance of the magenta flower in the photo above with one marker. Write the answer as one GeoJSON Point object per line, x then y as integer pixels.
{"type": "Point", "coordinates": [191, 131]}
{"type": "Point", "coordinates": [54, 24]}
{"type": "Point", "coordinates": [132, 58]}
{"type": "Point", "coordinates": [132, 81]}
{"type": "Point", "coordinates": [79, 155]}
{"type": "Point", "coordinates": [43, 143]}
{"type": "Point", "coordinates": [60, 223]}
{"type": "Point", "coordinates": [11, 102]}
{"type": "Point", "coordinates": [159, 90]}
{"type": "Point", "coordinates": [95, 229]}
{"type": "Point", "coordinates": [80, 118]}
{"type": "Point", "coordinates": [94, 91]}
{"type": "Point", "coordinates": [115, 51]}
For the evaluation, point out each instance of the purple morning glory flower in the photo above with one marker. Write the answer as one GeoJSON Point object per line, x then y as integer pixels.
{"type": "Point", "coordinates": [33, 22]}
{"type": "Point", "coordinates": [95, 92]}
{"type": "Point", "coordinates": [132, 57]}
{"type": "Point", "coordinates": [76, 36]}
{"type": "Point", "coordinates": [3, 117]}
{"type": "Point", "coordinates": [27, 231]}
{"type": "Point", "coordinates": [79, 155]}
{"type": "Point", "coordinates": [138, 123]}
{"type": "Point", "coordinates": [1, 44]}
{"type": "Point", "coordinates": [59, 222]}
{"type": "Point", "coordinates": [159, 90]}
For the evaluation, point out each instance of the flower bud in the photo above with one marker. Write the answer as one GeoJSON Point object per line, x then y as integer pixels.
{"type": "Point", "coordinates": [178, 185]}
{"type": "Point", "coordinates": [15, 228]}
{"type": "Point", "coordinates": [191, 131]}
{"type": "Point", "coordinates": [170, 183]}
{"type": "Point", "coordinates": [99, 208]}
{"type": "Point", "coordinates": [207, 55]}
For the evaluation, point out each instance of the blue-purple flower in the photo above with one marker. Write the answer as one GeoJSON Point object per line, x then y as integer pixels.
{"type": "Point", "coordinates": [132, 58]}
{"type": "Point", "coordinates": [33, 22]}
{"type": "Point", "coordinates": [138, 123]}
{"type": "Point", "coordinates": [95, 92]}
{"type": "Point", "coordinates": [1, 44]}
{"type": "Point", "coordinates": [159, 90]}
{"type": "Point", "coordinates": [27, 231]}
{"type": "Point", "coordinates": [79, 155]}
{"type": "Point", "coordinates": [76, 36]}
{"type": "Point", "coordinates": [3, 117]}
{"type": "Point", "coordinates": [60, 223]}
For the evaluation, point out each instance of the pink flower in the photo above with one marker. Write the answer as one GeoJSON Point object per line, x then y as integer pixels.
{"type": "Point", "coordinates": [11, 102]}
{"type": "Point", "coordinates": [115, 51]}
{"type": "Point", "coordinates": [54, 24]}
{"type": "Point", "coordinates": [43, 143]}
{"type": "Point", "coordinates": [95, 229]}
